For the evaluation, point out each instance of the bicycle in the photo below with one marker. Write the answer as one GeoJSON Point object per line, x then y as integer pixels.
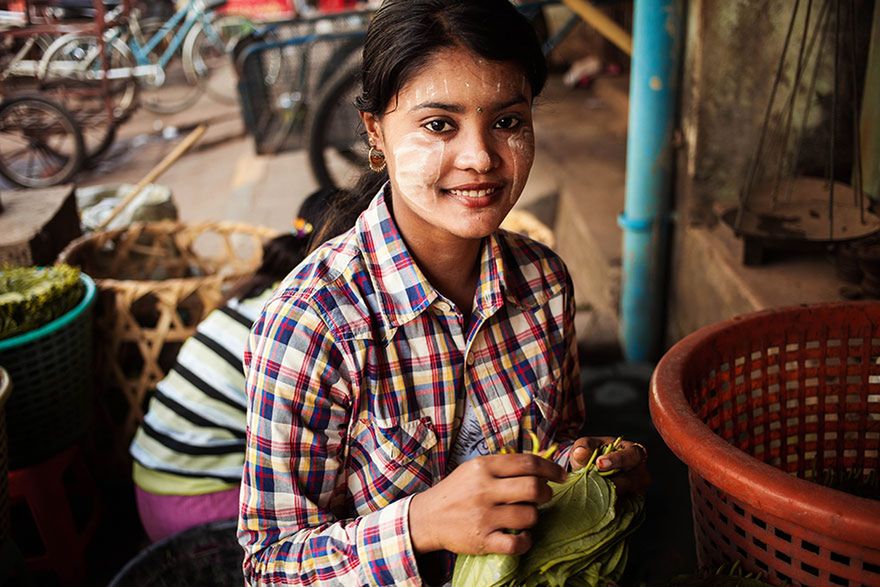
{"type": "Point", "coordinates": [168, 61]}
{"type": "Point", "coordinates": [22, 50]}
{"type": "Point", "coordinates": [276, 101]}
{"type": "Point", "coordinates": [40, 142]}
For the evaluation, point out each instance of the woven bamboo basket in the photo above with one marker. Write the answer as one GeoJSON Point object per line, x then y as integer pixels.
{"type": "Point", "coordinates": [156, 281]}
{"type": "Point", "coordinates": [528, 224]}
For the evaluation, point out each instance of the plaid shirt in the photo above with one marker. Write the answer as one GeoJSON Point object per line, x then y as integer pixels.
{"type": "Point", "coordinates": [357, 372]}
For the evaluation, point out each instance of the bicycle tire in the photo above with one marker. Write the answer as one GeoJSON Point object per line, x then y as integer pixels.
{"type": "Point", "coordinates": [85, 98]}
{"type": "Point", "coordinates": [335, 106]}
{"type": "Point", "coordinates": [59, 120]}
{"type": "Point", "coordinates": [338, 58]}
{"type": "Point", "coordinates": [78, 47]}
{"type": "Point", "coordinates": [204, 59]}
{"type": "Point", "coordinates": [177, 90]}
{"type": "Point", "coordinates": [86, 104]}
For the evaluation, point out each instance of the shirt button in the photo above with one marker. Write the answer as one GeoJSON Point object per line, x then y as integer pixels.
{"type": "Point", "coordinates": [470, 360]}
{"type": "Point", "coordinates": [442, 307]}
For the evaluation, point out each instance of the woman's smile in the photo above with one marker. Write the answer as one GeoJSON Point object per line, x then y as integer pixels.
{"type": "Point", "coordinates": [476, 195]}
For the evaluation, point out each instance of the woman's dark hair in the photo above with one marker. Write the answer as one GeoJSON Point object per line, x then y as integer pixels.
{"type": "Point", "coordinates": [403, 35]}
{"type": "Point", "coordinates": [283, 253]}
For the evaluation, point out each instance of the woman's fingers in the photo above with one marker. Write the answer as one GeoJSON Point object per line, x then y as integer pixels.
{"type": "Point", "coordinates": [634, 481]}
{"type": "Point", "coordinates": [519, 516]}
{"type": "Point", "coordinates": [582, 449]}
{"type": "Point", "coordinates": [533, 490]}
{"type": "Point", "coordinates": [501, 542]}
{"type": "Point", "coordinates": [629, 456]}
{"type": "Point", "coordinates": [524, 465]}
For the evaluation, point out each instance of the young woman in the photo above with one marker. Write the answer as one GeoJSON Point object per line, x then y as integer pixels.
{"type": "Point", "coordinates": [189, 450]}
{"type": "Point", "coordinates": [386, 375]}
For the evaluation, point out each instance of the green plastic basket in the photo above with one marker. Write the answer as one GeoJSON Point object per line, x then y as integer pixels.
{"type": "Point", "coordinates": [51, 369]}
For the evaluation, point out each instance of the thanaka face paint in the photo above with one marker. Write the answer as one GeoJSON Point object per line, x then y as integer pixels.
{"type": "Point", "coordinates": [456, 171]}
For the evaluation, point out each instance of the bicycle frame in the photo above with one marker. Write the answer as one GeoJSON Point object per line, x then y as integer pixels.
{"type": "Point", "coordinates": [189, 14]}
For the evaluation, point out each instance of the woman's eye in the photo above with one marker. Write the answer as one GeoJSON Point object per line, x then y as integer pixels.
{"type": "Point", "coordinates": [508, 122]}
{"type": "Point", "coordinates": [438, 126]}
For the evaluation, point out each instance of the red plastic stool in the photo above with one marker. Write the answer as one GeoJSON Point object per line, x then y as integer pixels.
{"type": "Point", "coordinates": [55, 510]}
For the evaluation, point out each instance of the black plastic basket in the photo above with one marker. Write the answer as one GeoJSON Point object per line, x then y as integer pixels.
{"type": "Point", "coordinates": [208, 555]}
{"type": "Point", "coordinates": [5, 390]}
{"type": "Point", "coordinates": [51, 370]}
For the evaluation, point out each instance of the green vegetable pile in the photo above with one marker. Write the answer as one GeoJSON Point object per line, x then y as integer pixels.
{"type": "Point", "coordinates": [579, 538]}
{"type": "Point", "coordinates": [31, 297]}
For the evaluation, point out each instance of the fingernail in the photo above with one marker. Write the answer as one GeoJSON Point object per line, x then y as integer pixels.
{"type": "Point", "coordinates": [603, 463]}
{"type": "Point", "coordinates": [580, 453]}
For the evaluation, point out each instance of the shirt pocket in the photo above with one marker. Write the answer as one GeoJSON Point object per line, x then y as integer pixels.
{"type": "Point", "coordinates": [545, 412]}
{"type": "Point", "coordinates": [398, 457]}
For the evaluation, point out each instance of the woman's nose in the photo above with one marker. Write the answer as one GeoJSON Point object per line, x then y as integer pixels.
{"type": "Point", "coordinates": [476, 153]}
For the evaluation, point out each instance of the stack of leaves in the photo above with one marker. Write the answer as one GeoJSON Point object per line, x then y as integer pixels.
{"type": "Point", "coordinates": [31, 297]}
{"type": "Point", "coordinates": [579, 538]}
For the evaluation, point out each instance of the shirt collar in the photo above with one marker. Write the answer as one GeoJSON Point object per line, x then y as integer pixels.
{"type": "Point", "coordinates": [401, 287]}
{"type": "Point", "coordinates": [404, 292]}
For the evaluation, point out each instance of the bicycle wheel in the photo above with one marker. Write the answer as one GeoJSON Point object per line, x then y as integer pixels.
{"type": "Point", "coordinates": [337, 151]}
{"type": "Point", "coordinates": [76, 57]}
{"type": "Point", "coordinates": [40, 143]}
{"type": "Point", "coordinates": [347, 50]}
{"type": "Point", "coordinates": [172, 89]}
{"type": "Point", "coordinates": [68, 73]}
{"type": "Point", "coordinates": [207, 55]}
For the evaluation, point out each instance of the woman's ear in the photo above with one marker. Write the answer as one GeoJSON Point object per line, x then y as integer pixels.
{"type": "Point", "coordinates": [374, 130]}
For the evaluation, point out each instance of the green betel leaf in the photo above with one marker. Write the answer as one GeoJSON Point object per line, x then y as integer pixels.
{"type": "Point", "coordinates": [491, 570]}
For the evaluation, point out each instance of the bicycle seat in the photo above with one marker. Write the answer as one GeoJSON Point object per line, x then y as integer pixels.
{"type": "Point", "coordinates": [215, 4]}
{"type": "Point", "coordinates": [77, 9]}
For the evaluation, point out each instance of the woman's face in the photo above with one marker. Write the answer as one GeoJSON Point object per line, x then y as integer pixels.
{"type": "Point", "coordinates": [459, 144]}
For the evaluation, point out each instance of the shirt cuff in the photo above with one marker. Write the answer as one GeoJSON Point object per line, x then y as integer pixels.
{"type": "Point", "coordinates": [385, 546]}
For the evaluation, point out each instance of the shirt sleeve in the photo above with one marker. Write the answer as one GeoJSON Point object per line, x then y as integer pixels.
{"type": "Point", "coordinates": [298, 414]}
{"type": "Point", "coordinates": [574, 407]}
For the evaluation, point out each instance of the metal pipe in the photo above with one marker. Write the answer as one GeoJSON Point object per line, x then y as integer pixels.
{"type": "Point", "coordinates": [657, 38]}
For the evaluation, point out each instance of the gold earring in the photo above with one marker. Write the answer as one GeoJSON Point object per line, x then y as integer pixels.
{"type": "Point", "coordinates": [377, 159]}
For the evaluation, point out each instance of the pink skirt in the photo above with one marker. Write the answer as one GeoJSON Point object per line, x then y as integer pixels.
{"type": "Point", "coordinates": [164, 515]}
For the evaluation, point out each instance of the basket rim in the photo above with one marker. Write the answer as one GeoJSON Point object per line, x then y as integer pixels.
{"type": "Point", "coordinates": [57, 323]}
{"type": "Point", "coordinates": [761, 486]}
{"type": "Point", "coordinates": [258, 230]}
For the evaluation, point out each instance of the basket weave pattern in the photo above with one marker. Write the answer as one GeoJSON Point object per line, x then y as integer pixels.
{"type": "Point", "coordinates": [156, 282]}
{"type": "Point", "coordinates": [798, 390]}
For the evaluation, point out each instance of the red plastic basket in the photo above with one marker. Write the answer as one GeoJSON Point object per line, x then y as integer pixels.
{"type": "Point", "coordinates": [754, 407]}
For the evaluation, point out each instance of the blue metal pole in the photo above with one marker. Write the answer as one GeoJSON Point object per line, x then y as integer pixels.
{"type": "Point", "coordinates": [657, 37]}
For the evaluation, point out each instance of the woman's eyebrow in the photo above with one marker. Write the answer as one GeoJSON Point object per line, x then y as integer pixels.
{"type": "Point", "coordinates": [458, 108]}
{"type": "Point", "coordinates": [454, 108]}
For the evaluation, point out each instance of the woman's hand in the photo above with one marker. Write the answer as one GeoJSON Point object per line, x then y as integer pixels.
{"type": "Point", "coordinates": [631, 460]}
{"type": "Point", "coordinates": [470, 511]}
